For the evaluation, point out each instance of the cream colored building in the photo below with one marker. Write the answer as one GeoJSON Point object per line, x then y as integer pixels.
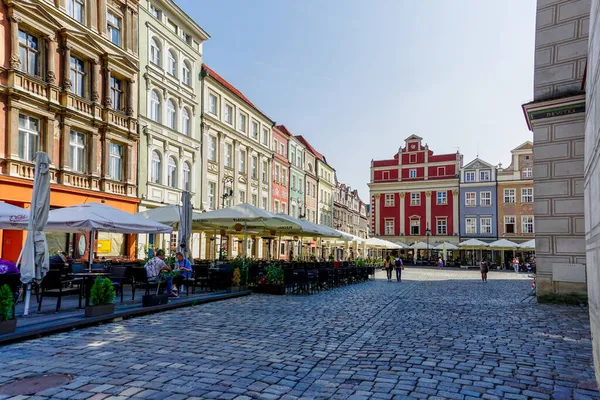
{"type": "Point", "coordinates": [237, 154]}
{"type": "Point", "coordinates": [170, 140]}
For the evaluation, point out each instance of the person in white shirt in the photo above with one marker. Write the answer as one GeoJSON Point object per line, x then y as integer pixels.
{"type": "Point", "coordinates": [153, 268]}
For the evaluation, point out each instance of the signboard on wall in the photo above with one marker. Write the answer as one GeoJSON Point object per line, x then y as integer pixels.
{"type": "Point", "coordinates": [104, 246]}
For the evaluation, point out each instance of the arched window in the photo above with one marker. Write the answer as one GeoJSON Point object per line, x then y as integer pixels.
{"type": "Point", "coordinates": [155, 167]}
{"type": "Point", "coordinates": [155, 106]}
{"type": "Point", "coordinates": [186, 176]}
{"type": "Point", "coordinates": [185, 122]}
{"type": "Point", "coordinates": [172, 173]}
{"type": "Point", "coordinates": [172, 66]}
{"type": "Point", "coordinates": [155, 52]}
{"type": "Point", "coordinates": [171, 114]}
{"type": "Point", "coordinates": [186, 73]}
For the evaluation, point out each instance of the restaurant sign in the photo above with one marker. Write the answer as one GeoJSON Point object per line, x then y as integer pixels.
{"type": "Point", "coordinates": [557, 111]}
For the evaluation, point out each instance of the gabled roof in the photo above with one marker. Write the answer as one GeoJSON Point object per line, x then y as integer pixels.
{"type": "Point", "coordinates": [413, 137]}
{"type": "Point", "coordinates": [310, 148]}
{"type": "Point", "coordinates": [284, 130]}
{"type": "Point", "coordinates": [232, 89]}
{"type": "Point", "coordinates": [477, 163]}
{"type": "Point", "coordinates": [524, 146]}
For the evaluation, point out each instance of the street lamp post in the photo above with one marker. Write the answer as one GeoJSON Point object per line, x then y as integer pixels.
{"type": "Point", "coordinates": [428, 233]}
{"type": "Point", "coordinates": [226, 194]}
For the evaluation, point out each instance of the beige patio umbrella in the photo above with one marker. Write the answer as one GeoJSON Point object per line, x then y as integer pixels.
{"type": "Point", "coordinates": [503, 245]}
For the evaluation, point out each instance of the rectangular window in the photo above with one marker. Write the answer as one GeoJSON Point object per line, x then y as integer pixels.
{"type": "Point", "coordinates": [212, 148]}
{"type": "Point", "coordinates": [412, 173]}
{"type": "Point", "coordinates": [527, 224]}
{"type": "Point", "coordinates": [229, 113]}
{"type": "Point", "coordinates": [471, 226]}
{"type": "Point", "coordinates": [265, 175]}
{"type": "Point", "coordinates": [228, 154]}
{"type": "Point", "coordinates": [254, 166]}
{"type": "Point", "coordinates": [415, 227]}
{"type": "Point", "coordinates": [527, 172]}
{"type": "Point", "coordinates": [116, 93]}
{"type": "Point", "coordinates": [385, 175]}
{"type": "Point", "coordinates": [442, 226]}
{"type": "Point", "coordinates": [264, 203]}
{"type": "Point", "coordinates": [485, 226]}
{"type": "Point", "coordinates": [276, 209]}
{"type": "Point", "coordinates": [77, 76]}
{"type": "Point", "coordinates": [29, 53]}
{"type": "Point", "coordinates": [389, 199]}
{"type": "Point", "coordinates": [172, 25]}
{"type": "Point", "coordinates": [412, 158]}
{"type": "Point", "coordinates": [75, 10]}
{"type": "Point", "coordinates": [265, 137]}
{"type": "Point", "coordinates": [470, 199]}
{"type": "Point", "coordinates": [113, 28]}
{"type": "Point", "coordinates": [212, 104]}
{"type": "Point", "coordinates": [485, 198]}
{"type": "Point", "coordinates": [77, 152]}
{"type": "Point", "coordinates": [277, 173]}
{"type": "Point", "coordinates": [156, 13]}
{"type": "Point", "coordinates": [441, 171]}
{"type": "Point", "coordinates": [484, 175]}
{"type": "Point", "coordinates": [254, 130]}
{"type": "Point", "coordinates": [526, 195]}
{"type": "Point", "coordinates": [212, 187]}
{"type": "Point", "coordinates": [242, 196]}
{"type": "Point", "coordinates": [29, 137]}
{"type": "Point", "coordinates": [275, 148]}
{"type": "Point", "coordinates": [293, 211]}
{"type": "Point", "coordinates": [115, 168]}
{"type": "Point", "coordinates": [509, 225]}
{"type": "Point", "coordinates": [389, 226]}
{"type": "Point", "coordinates": [283, 207]}
{"type": "Point", "coordinates": [299, 160]}
{"type": "Point", "coordinates": [300, 185]}
{"type": "Point", "coordinates": [442, 197]}
{"type": "Point", "coordinates": [282, 149]}
{"type": "Point", "coordinates": [293, 182]}
{"type": "Point", "coordinates": [242, 168]}
{"type": "Point", "coordinates": [243, 120]}
{"type": "Point", "coordinates": [255, 200]}
{"type": "Point", "coordinates": [469, 176]}
{"type": "Point", "coordinates": [415, 199]}
{"type": "Point", "coordinates": [509, 196]}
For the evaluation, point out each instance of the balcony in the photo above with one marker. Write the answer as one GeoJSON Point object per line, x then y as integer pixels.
{"type": "Point", "coordinates": [78, 180]}
{"type": "Point", "coordinates": [121, 121]}
{"type": "Point", "coordinates": [82, 105]}
{"type": "Point", "coordinates": [32, 84]}
{"type": "Point", "coordinates": [117, 187]}
{"type": "Point", "coordinates": [26, 169]}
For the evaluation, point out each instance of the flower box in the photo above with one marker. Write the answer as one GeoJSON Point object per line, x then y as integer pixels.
{"type": "Point", "coordinates": [8, 326]}
{"type": "Point", "coordinates": [95, 311]}
{"type": "Point", "coordinates": [270, 289]}
{"type": "Point", "coordinates": [154, 300]}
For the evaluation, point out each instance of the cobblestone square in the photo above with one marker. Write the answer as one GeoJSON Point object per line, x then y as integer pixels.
{"type": "Point", "coordinates": [436, 335]}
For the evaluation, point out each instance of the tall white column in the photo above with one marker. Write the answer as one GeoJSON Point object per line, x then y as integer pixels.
{"type": "Point", "coordinates": [377, 224]}
{"type": "Point", "coordinates": [428, 210]}
{"type": "Point", "coordinates": [426, 174]}
{"type": "Point", "coordinates": [455, 221]}
{"type": "Point", "coordinates": [402, 216]}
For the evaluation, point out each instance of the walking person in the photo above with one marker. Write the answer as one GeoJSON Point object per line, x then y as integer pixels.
{"type": "Point", "coordinates": [388, 267]}
{"type": "Point", "coordinates": [483, 267]}
{"type": "Point", "coordinates": [440, 263]}
{"type": "Point", "coordinates": [515, 262]}
{"type": "Point", "coordinates": [399, 264]}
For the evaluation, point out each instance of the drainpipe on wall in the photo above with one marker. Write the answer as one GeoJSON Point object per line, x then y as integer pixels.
{"type": "Point", "coordinates": [203, 74]}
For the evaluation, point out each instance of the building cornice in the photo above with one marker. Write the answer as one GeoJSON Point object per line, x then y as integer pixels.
{"type": "Point", "coordinates": [554, 108]}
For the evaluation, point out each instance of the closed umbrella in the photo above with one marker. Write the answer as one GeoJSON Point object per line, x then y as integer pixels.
{"type": "Point", "coordinates": [13, 217]}
{"type": "Point", "coordinates": [34, 255]}
{"type": "Point", "coordinates": [185, 225]}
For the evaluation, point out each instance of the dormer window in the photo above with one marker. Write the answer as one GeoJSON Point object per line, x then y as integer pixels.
{"type": "Point", "coordinates": [470, 176]}
{"type": "Point", "coordinates": [484, 175]}
{"type": "Point", "coordinates": [412, 158]}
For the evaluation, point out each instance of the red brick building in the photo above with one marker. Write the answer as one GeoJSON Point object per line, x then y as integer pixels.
{"type": "Point", "coordinates": [414, 191]}
{"type": "Point", "coordinates": [281, 172]}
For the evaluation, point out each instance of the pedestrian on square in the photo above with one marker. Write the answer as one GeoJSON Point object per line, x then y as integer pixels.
{"type": "Point", "coordinates": [483, 267]}
{"type": "Point", "coordinates": [515, 262]}
{"type": "Point", "coordinates": [387, 264]}
{"type": "Point", "coordinates": [440, 263]}
{"type": "Point", "coordinates": [399, 267]}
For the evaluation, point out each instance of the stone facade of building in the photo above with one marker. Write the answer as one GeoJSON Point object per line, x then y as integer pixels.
{"type": "Point", "coordinates": [349, 211]}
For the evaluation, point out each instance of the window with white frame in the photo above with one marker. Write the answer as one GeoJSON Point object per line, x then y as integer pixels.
{"type": "Point", "coordinates": [470, 176]}
{"type": "Point", "coordinates": [283, 207]}
{"type": "Point", "coordinates": [264, 203]}
{"type": "Point", "coordinates": [441, 171]}
{"type": "Point", "coordinates": [484, 176]}
{"type": "Point", "coordinates": [470, 225]}
{"type": "Point", "coordinates": [75, 10]}
{"type": "Point", "coordinates": [29, 137]}
{"type": "Point", "coordinates": [212, 187]}
{"type": "Point", "coordinates": [509, 196]}
{"type": "Point", "coordinates": [293, 179]}
{"type": "Point", "coordinates": [242, 168]}
{"type": "Point", "coordinates": [229, 113]}
{"type": "Point", "coordinates": [187, 173]}
{"type": "Point", "coordinates": [300, 185]}
{"type": "Point", "coordinates": [186, 73]}
{"type": "Point", "coordinates": [526, 195]}
{"type": "Point", "coordinates": [185, 122]}
{"type": "Point", "coordinates": [415, 227]}
{"type": "Point", "coordinates": [155, 167]}
{"type": "Point", "coordinates": [509, 224]}
{"type": "Point", "coordinates": [485, 198]}
{"type": "Point", "coordinates": [470, 199]}
{"type": "Point", "coordinates": [212, 148]}
{"type": "Point", "coordinates": [255, 200]}
{"type": "Point", "coordinates": [77, 76]}
{"type": "Point", "coordinates": [412, 158]}
{"type": "Point", "coordinates": [442, 197]}
{"type": "Point", "coordinates": [412, 173]}
{"type": "Point", "coordinates": [116, 93]}
{"type": "Point", "coordinates": [389, 199]}
{"type": "Point", "coordinates": [113, 28]}
{"type": "Point", "coordinates": [212, 104]}
{"type": "Point", "coordinates": [228, 155]}
{"type": "Point", "coordinates": [527, 224]}
{"type": "Point", "coordinates": [242, 197]}
{"type": "Point", "coordinates": [276, 207]}
{"type": "Point", "coordinates": [277, 173]}
{"type": "Point", "coordinates": [282, 149]}
{"type": "Point", "coordinates": [442, 226]}
{"type": "Point", "coordinates": [172, 177]}
{"type": "Point", "coordinates": [385, 175]}
{"type": "Point", "coordinates": [255, 130]}
{"type": "Point", "coordinates": [156, 13]}
{"type": "Point", "coordinates": [293, 210]}
{"type": "Point", "coordinates": [29, 53]}
{"type": "Point", "coordinates": [77, 152]}
{"type": "Point", "coordinates": [265, 137]}
{"type": "Point", "coordinates": [265, 172]}
{"type": "Point", "coordinates": [389, 226]}
{"type": "Point", "coordinates": [415, 199]}
{"type": "Point", "coordinates": [254, 166]}
{"type": "Point", "coordinates": [171, 114]}
{"type": "Point", "coordinates": [527, 172]}
{"type": "Point", "coordinates": [485, 226]}
{"type": "Point", "coordinates": [155, 52]}
{"type": "Point", "coordinates": [243, 122]}
{"type": "Point", "coordinates": [283, 176]}
{"type": "Point", "coordinates": [172, 63]}
{"type": "Point", "coordinates": [154, 106]}
{"type": "Point", "coordinates": [115, 167]}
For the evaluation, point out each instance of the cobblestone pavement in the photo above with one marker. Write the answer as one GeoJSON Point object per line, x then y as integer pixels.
{"type": "Point", "coordinates": [436, 335]}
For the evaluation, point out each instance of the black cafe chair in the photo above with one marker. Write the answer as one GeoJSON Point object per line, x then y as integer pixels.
{"type": "Point", "coordinates": [55, 285]}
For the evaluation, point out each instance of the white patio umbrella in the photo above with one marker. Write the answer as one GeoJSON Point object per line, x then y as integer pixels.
{"type": "Point", "coordinates": [167, 215]}
{"type": "Point", "coordinates": [422, 246]}
{"type": "Point", "coordinates": [34, 255]}
{"type": "Point", "coordinates": [382, 244]}
{"type": "Point", "coordinates": [529, 245]}
{"type": "Point", "coordinates": [445, 246]}
{"type": "Point", "coordinates": [13, 217]}
{"type": "Point", "coordinates": [472, 244]}
{"type": "Point", "coordinates": [185, 225]}
{"type": "Point", "coordinates": [503, 245]}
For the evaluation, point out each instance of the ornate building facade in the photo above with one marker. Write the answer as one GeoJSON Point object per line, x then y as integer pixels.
{"type": "Point", "coordinates": [68, 87]}
{"type": "Point", "coordinates": [310, 191]}
{"type": "Point", "coordinates": [349, 211]}
{"type": "Point", "coordinates": [478, 201]}
{"type": "Point", "coordinates": [280, 172]}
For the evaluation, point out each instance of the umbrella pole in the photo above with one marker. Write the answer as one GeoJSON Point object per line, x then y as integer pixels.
{"type": "Point", "coordinates": [28, 289]}
{"type": "Point", "coordinates": [245, 243]}
{"type": "Point", "coordinates": [91, 255]}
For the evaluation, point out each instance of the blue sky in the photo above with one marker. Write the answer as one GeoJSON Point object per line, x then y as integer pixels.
{"type": "Point", "coordinates": [356, 77]}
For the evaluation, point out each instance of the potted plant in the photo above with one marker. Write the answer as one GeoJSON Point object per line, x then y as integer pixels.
{"type": "Point", "coordinates": [8, 323]}
{"type": "Point", "coordinates": [102, 295]}
{"type": "Point", "coordinates": [159, 298]}
{"type": "Point", "coordinates": [235, 281]}
{"type": "Point", "coordinates": [272, 281]}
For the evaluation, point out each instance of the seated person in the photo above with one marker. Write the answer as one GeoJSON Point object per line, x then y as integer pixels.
{"type": "Point", "coordinates": [184, 267]}
{"type": "Point", "coordinates": [153, 268]}
{"type": "Point", "coordinates": [8, 267]}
